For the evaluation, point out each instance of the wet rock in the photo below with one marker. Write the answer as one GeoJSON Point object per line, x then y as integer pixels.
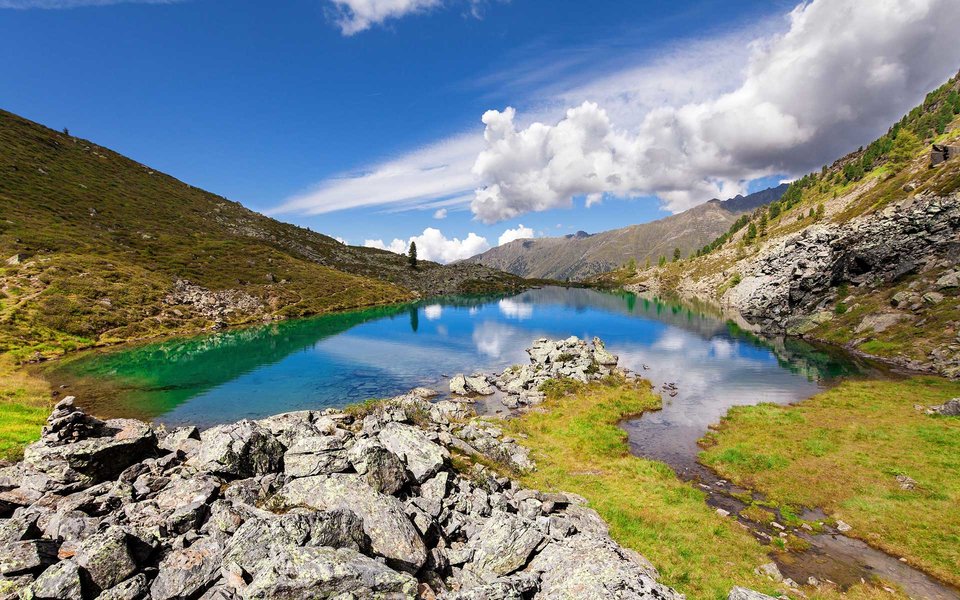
{"type": "Point", "coordinates": [392, 535]}
{"type": "Point", "coordinates": [241, 449]}
{"type": "Point", "coordinates": [422, 457]}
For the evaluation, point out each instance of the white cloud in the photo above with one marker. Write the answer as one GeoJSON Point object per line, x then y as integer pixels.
{"type": "Point", "coordinates": [55, 4]}
{"type": "Point", "coordinates": [433, 312]}
{"type": "Point", "coordinates": [433, 175]}
{"type": "Point", "coordinates": [342, 240]}
{"type": "Point", "coordinates": [518, 233]}
{"type": "Point", "coordinates": [515, 310]}
{"type": "Point", "coordinates": [440, 214]}
{"type": "Point", "coordinates": [434, 246]}
{"type": "Point", "coordinates": [838, 76]}
{"type": "Point", "coordinates": [358, 15]}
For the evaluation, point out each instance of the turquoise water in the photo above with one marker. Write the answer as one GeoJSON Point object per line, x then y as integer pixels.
{"type": "Point", "coordinates": [336, 360]}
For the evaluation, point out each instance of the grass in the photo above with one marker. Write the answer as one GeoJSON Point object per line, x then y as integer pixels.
{"type": "Point", "coordinates": [579, 448]}
{"type": "Point", "coordinates": [24, 405]}
{"type": "Point", "coordinates": [842, 451]}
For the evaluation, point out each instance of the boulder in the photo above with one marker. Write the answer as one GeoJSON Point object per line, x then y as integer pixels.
{"type": "Point", "coordinates": [184, 572]}
{"type": "Point", "coordinates": [503, 545]}
{"type": "Point", "coordinates": [60, 582]}
{"type": "Point", "coordinates": [478, 384]}
{"type": "Point", "coordinates": [106, 558]}
{"type": "Point", "coordinates": [585, 566]}
{"type": "Point", "coordinates": [241, 449]}
{"type": "Point", "coordinates": [135, 588]}
{"type": "Point", "coordinates": [458, 385]}
{"type": "Point", "coordinates": [422, 457]}
{"type": "Point", "coordinates": [392, 535]}
{"type": "Point", "coordinates": [321, 572]}
{"type": "Point", "coordinates": [32, 556]}
{"type": "Point", "coordinates": [950, 408]}
{"type": "Point", "coordinates": [317, 455]}
{"type": "Point", "coordinates": [381, 469]}
{"type": "Point", "coordinates": [602, 355]}
{"type": "Point", "coordinates": [77, 448]}
{"type": "Point", "coordinates": [949, 280]}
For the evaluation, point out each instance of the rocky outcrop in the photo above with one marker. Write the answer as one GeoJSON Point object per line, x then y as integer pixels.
{"type": "Point", "coordinates": [950, 408]}
{"type": "Point", "coordinates": [302, 505]}
{"type": "Point", "coordinates": [216, 306]}
{"type": "Point", "coordinates": [789, 286]}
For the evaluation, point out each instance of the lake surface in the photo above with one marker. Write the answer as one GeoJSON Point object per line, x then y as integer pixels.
{"type": "Point", "coordinates": [335, 360]}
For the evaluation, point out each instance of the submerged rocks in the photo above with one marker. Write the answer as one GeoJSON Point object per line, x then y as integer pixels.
{"type": "Point", "coordinates": [306, 505]}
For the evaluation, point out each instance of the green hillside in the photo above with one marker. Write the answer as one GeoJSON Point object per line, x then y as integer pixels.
{"type": "Point", "coordinates": [92, 243]}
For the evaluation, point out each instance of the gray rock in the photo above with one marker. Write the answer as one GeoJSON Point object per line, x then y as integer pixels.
{"type": "Point", "coordinates": [241, 449]}
{"type": "Point", "coordinates": [320, 572]}
{"type": "Point", "coordinates": [601, 354]}
{"type": "Point", "coordinates": [59, 582]}
{"type": "Point", "coordinates": [950, 408]}
{"type": "Point", "coordinates": [77, 448]}
{"type": "Point", "coordinates": [446, 411]}
{"type": "Point", "coordinates": [186, 571]}
{"type": "Point", "coordinates": [739, 593]}
{"type": "Point", "coordinates": [588, 567]}
{"type": "Point", "coordinates": [477, 384]}
{"type": "Point", "coordinates": [391, 533]}
{"type": "Point", "coordinates": [933, 297]}
{"type": "Point", "coordinates": [503, 545]}
{"type": "Point", "coordinates": [422, 457]}
{"type": "Point", "coordinates": [20, 558]}
{"type": "Point", "coordinates": [949, 280]}
{"type": "Point", "coordinates": [106, 558]}
{"type": "Point", "coordinates": [181, 438]}
{"type": "Point", "coordinates": [318, 455]}
{"type": "Point", "coordinates": [458, 385]}
{"type": "Point", "coordinates": [381, 469]}
{"type": "Point", "coordinates": [135, 588]}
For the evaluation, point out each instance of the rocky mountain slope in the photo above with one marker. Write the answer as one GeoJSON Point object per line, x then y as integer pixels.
{"type": "Point", "coordinates": [865, 253]}
{"type": "Point", "coordinates": [580, 256]}
{"type": "Point", "coordinates": [98, 247]}
{"type": "Point", "coordinates": [389, 500]}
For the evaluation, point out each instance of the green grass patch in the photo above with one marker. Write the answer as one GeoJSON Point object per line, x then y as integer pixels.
{"type": "Point", "coordinates": [842, 450]}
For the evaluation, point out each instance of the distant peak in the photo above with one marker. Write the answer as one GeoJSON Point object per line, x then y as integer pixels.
{"type": "Point", "coordinates": [578, 235]}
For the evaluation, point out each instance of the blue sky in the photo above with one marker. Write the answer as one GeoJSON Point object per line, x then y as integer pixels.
{"type": "Point", "coordinates": [364, 119]}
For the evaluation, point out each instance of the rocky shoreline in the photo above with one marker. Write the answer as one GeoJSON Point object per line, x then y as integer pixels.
{"type": "Point", "coordinates": [383, 500]}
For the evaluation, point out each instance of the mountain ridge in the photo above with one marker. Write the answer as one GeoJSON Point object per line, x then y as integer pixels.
{"type": "Point", "coordinates": [582, 255]}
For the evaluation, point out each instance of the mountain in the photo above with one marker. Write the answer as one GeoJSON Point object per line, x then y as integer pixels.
{"type": "Point", "coordinates": [581, 255]}
{"type": "Point", "coordinates": [864, 253]}
{"type": "Point", "coordinates": [100, 248]}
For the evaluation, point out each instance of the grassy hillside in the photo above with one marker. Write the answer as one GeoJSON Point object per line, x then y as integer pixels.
{"type": "Point", "coordinates": [894, 169]}
{"type": "Point", "coordinates": [581, 256]}
{"type": "Point", "coordinates": [94, 242]}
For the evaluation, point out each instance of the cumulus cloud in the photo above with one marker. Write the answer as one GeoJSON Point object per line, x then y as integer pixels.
{"type": "Point", "coordinates": [434, 246]}
{"type": "Point", "coordinates": [433, 312]}
{"type": "Point", "coordinates": [55, 4]}
{"type": "Point", "coordinates": [441, 213]}
{"type": "Point", "coordinates": [517, 233]}
{"type": "Point", "coordinates": [838, 76]}
{"type": "Point", "coordinates": [513, 309]}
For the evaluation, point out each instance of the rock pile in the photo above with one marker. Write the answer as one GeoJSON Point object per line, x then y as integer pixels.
{"type": "Point", "coordinates": [216, 306]}
{"type": "Point", "coordinates": [571, 358]}
{"type": "Point", "coordinates": [344, 504]}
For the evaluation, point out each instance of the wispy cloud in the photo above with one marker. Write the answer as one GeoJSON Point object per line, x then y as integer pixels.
{"type": "Point", "coordinates": [354, 16]}
{"type": "Point", "coordinates": [57, 4]}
